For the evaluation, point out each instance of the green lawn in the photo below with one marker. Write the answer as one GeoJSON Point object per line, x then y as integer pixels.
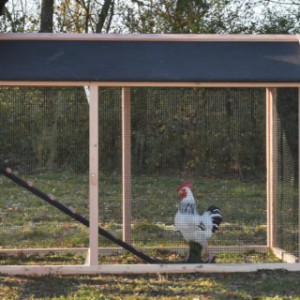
{"type": "Point", "coordinates": [128, 258]}
{"type": "Point", "coordinates": [28, 222]}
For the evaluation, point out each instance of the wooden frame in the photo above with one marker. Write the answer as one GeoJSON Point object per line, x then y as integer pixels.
{"type": "Point", "coordinates": [92, 266]}
{"type": "Point", "coordinates": [92, 258]}
{"type": "Point", "coordinates": [126, 163]}
{"type": "Point", "coordinates": [271, 159]}
{"type": "Point", "coordinates": [299, 168]}
{"type": "Point", "coordinates": [150, 84]}
{"type": "Point", "coordinates": [152, 37]}
{"type": "Point", "coordinates": [146, 269]}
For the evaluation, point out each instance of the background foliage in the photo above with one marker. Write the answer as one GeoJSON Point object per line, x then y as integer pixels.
{"type": "Point", "coordinates": [141, 16]}
{"type": "Point", "coordinates": [196, 132]}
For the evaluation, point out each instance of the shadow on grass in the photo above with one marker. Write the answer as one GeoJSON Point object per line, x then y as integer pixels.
{"type": "Point", "coordinates": [38, 287]}
{"type": "Point", "coordinates": [259, 285]}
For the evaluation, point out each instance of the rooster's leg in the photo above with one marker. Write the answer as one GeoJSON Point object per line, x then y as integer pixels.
{"type": "Point", "coordinates": [195, 250]}
{"type": "Point", "coordinates": [210, 258]}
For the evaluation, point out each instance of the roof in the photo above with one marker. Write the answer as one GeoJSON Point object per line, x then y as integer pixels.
{"type": "Point", "coordinates": [150, 58]}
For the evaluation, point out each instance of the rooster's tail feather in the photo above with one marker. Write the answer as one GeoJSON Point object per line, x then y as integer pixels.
{"type": "Point", "coordinates": [216, 216]}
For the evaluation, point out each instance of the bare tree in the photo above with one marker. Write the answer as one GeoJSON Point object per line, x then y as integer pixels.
{"type": "Point", "coordinates": [47, 16]}
{"type": "Point", "coordinates": [84, 15]}
{"type": "Point", "coordinates": [103, 15]}
{"type": "Point", "coordinates": [2, 3]}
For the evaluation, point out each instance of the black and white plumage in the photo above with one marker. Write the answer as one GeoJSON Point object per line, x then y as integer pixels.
{"type": "Point", "coordinates": [195, 227]}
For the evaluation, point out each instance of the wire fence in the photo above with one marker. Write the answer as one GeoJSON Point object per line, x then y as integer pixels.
{"type": "Point", "coordinates": [214, 138]}
{"type": "Point", "coordinates": [287, 171]}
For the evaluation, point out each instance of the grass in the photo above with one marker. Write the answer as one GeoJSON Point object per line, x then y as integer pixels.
{"type": "Point", "coordinates": [34, 259]}
{"type": "Point", "coordinates": [28, 222]}
{"type": "Point", "coordinates": [262, 285]}
{"type": "Point", "coordinates": [128, 258]}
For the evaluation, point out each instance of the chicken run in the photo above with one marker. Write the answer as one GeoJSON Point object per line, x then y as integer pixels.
{"type": "Point", "coordinates": [184, 236]}
{"type": "Point", "coordinates": [167, 169]}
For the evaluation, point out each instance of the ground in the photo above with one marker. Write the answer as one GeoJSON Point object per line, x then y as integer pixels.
{"type": "Point", "coordinates": [259, 285]}
{"type": "Point", "coordinates": [29, 222]}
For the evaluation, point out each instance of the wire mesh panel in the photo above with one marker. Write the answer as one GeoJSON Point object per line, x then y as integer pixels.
{"type": "Point", "coordinates": [214, 138]}
{"type": "Point", "coordinates": [44, 141]}
{"type": "Point", "coordinates": [110, 153]}
{"type": "Point", "coordinates": [287, 206]}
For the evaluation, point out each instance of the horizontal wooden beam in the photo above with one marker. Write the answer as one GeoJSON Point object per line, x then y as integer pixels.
{"type": "Point", "coordinates": [285, 256]}
{"type": "Point", "coordinates": [151, 84]}
{"type": "Point", "coordinates": [152, 37]}
{"type": "Point", "coordinates": [144, 269]}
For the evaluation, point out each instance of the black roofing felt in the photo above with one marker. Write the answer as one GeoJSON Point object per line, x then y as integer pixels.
{"type": "Point", "coordinates": [150, 61]}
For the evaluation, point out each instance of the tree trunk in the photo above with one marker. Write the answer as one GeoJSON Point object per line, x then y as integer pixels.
{"type": "Point", "coordinates": [2, 3]}
{"type": "Point", "coordinates": [103, 15]}
{"type": "Point", "coordinates": [47, 16]}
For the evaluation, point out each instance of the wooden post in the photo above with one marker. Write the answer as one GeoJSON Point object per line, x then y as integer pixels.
{"type": "Point", "coordinates": [126, 163]}
{"type": "Point", "coordinates": [92, 258]}
{"type": "Point", "coordinates": [271, 167]}
{"type": "Point", "coordinates": [299, 173]}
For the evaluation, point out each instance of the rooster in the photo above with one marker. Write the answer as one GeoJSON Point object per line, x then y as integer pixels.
{"type": "Point", "coordinates": [195, 228]}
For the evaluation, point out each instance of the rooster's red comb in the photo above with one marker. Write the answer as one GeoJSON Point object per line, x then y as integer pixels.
{"type": "Point", "coordinates": [187, 184]}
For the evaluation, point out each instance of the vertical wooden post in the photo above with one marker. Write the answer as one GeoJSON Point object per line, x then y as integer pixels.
{"type": "Point", "coordinates": [271, 167]}
{"type": "Point", "coordinates": [92, 258]}
{"type": "Point", "coordinates": [126, 163]}
{"type": "Point", "coordinates": [299, 173]}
